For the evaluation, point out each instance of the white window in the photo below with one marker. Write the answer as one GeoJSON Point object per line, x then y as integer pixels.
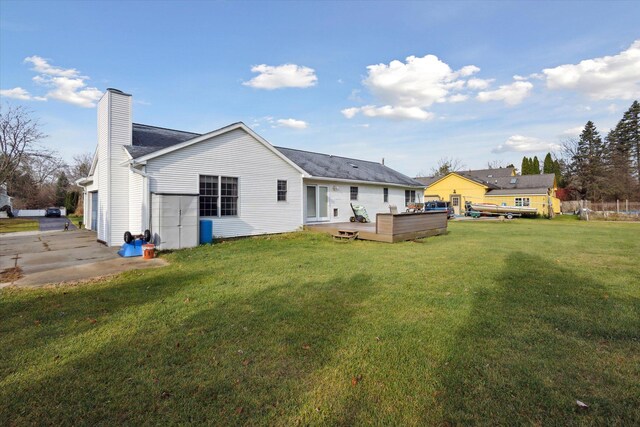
{"type": "Point", "coordinates": [409, 196]}
{"type": "Point", "coordinates": [523, 201]}
{"type": "Point", "coordinates": [282, 190]}
{"type": "Point", "coordinates": [354, 193]}
{"type": "Point", "coordinates": [210, 203]}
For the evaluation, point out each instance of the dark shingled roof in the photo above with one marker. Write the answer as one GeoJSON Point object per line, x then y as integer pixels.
{"type": "Point", "coordinates": [328, 166]}
{"type": "Point", "coordinates": [485, 174]}
{"type": "Point", "coordinates": [501, 179]}
{"type": "Point", "coordinates": [148, 139]}
{"type": "Point", "coordinates": [427, 180]}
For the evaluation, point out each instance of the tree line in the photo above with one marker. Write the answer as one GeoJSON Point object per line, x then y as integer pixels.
{"type": "Point", "coordinates": [605, 169]}
{"type": "Point", "coordinates": [531, 166]}
{"type": "Point", "coordinates": [33, 174]}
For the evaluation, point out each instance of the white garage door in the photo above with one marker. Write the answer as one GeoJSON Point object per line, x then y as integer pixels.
{"type": "Point", "coordinates": [174, 220]}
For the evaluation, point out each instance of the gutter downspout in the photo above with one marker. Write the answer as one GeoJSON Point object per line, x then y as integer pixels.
{"type": "Point", "coordinates": [145, 194]}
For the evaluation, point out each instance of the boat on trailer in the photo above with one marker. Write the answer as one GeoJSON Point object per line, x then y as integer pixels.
{"type": "Point", "coordinates": [477, 209]}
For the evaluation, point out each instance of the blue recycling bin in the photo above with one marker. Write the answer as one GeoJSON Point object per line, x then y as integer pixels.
{"type": "Point", "coordinates": [206, 231]}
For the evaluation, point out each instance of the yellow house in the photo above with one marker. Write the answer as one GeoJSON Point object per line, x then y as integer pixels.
{"type": "Point", "coordinates": [496, 186]}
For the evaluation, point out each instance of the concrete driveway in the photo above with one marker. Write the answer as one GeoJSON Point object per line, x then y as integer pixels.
{"type": "Point", "coordinates": [58, 257]}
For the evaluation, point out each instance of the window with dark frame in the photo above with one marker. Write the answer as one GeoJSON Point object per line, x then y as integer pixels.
{"type": "Point", "coordinates": [282, 190]}
{"type": "Point", "coordinates": [385, 195]}
{"type": "Point", "coordinates": [354, 193]}
{"type": "Point", "coordinates": [409, 196]}
{"type": "Point", "coordinates": [208, 195]}
{"type": "Point", "coordinates": [228, 196]}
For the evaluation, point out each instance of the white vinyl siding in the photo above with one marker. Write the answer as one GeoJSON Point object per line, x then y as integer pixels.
{"type": "Point", "coordinates": [234, 154]}
{"type": "Point", "coordinates": [368, 196]}
{"type": "Point", "coordinates": [101, 175]}
{"type": "Point", "coordinates": [114, 131]}
{"type": "Point", "coordinates": [119, 190]}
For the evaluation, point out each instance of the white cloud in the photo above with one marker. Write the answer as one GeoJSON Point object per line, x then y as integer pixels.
{"type": "Point", "coordinates": [608, 77]}
{"type": "Point", "coordinates": [458, 97]}
{"type": "Point", "coordinates": [388, 111]}
{"type": "Point", "coordinates": [407, 89]}
{"type": "Point", "coordinates": [21, 94]}
{"type": "Point", "coordinates": [292, 123]}
{"type": "Point", "coordinates": [511, 94]}
{"type": "Point", "coordinates": [525, 144]}
{"type": "Point", "coordinates": [419, 82]}
{"type": "Point", "coordinates": [65, 85]}
{"type": "Point", "coordinates": [479, 84]}
{"type": "Point", "coordinates": [573, 131]}
{"type": "Point", "coordinates": [41, 65]}
{"type": "Point", "coordinates": [281, 76]}
{"type": "Point", "coordinates": [612, 108]}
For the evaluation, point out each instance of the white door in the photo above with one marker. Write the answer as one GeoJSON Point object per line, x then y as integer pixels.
{"type": "Point", "coordinates": [317, 203]}
{"type": "Point", "coordinates": [174, 220]}
{"type": "Point", "coordinates": [188, 221]}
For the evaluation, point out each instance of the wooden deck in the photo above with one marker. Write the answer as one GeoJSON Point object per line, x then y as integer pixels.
{"type": "Point", "coordinates": [390, 228]}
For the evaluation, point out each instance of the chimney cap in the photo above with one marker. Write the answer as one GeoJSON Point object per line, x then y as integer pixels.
{"type": "Point", "coordinates": [114, 90]}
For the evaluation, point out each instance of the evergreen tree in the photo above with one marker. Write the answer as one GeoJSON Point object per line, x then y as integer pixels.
{"type": "Point", "coordinates": [524, 170]}
{"type": "Point", "coordinates": [61, 189]}
{"type": "Point", "coordinates": [587, 163]}
{"type": "Point", "coordinates": [632, 134]}
{"type": "Point", "coordinates": [535, 166]}
{"type": "Point", "coordinates": [548, 166]}
{"type": "Point", "coordinates": [620, 156]}
{"type": "Point", "coordinates": [558, 169]}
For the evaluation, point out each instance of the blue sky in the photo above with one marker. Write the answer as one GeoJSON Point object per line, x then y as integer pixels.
{"type": "Point", "coordinates": [412, 82]}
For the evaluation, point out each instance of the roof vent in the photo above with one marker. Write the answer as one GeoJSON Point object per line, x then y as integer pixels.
{"type": "Point", "coordinates": [489, 176]}
{"type": "Point", "coordinates": [353, 166]}
{"type": "Point", "coordinates": [513, 180]}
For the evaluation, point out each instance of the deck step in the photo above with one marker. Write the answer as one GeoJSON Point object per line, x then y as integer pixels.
{"type": "Point", "coordinates": [345, 235]}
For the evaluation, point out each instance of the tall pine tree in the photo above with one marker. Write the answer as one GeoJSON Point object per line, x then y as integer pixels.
{"type": "Point", "coordinates": [587, 163]}
{"type": "Point", "coordinates": [621, 157]}
{"type": "Point", "coordinates": [547, 166]}
{"type": "Point", "coordinates": [535, 167]}
{"type": "Point", "coordinates": [524, 170]}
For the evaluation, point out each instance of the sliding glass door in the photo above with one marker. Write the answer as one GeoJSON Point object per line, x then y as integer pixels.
{"type": "Point", "coordinates": [317, 203]}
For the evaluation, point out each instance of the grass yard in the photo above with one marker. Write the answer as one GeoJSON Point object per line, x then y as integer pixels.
{"type": "Point", "coordinates": [495, 323]}
{"type": "Point", "coordinates": [11, 225]}
{"type": "Point", "coordinates": [76, 219]}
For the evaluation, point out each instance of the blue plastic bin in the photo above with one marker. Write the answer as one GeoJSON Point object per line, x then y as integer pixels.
{"type": "Point", "coordinates": [206, 231]}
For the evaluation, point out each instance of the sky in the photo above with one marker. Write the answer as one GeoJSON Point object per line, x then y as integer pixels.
{"type": "Point", "coordinates": [410, 82]}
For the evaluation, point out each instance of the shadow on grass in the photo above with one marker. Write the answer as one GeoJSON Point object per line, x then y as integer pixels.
{"type": "Point", "coordinates": [40, 317]}
{"type": "Point", "coordinates": [233, 359]}
{"type": "Point", "coordinates": [539, 341]}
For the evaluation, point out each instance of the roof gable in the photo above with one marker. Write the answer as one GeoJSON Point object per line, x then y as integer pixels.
{"type": "Point", "coordinates": [459, 175]}
{"type": "Point", "coordinates": [206, 136]}
{"type": "Point", "coordinates": [151, 141]}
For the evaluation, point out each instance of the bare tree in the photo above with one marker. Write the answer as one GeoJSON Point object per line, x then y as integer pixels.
{"type": "Point", "coordinates": [44, 166]}
{"type": "Point", "coordinates": [80, 167]}
{"type": "Point", "coordinates": [446, 165]}
{"type": "Point", "coordinates": [19, 135]}
{"type": "Point", "coordinates": [495, 164]}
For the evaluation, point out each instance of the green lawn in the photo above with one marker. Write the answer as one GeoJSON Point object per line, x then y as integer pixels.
{"type": "Point", "coordinates": [76, 219]}
{"type": "Point", "coordinates": [495, 323]}
{"type": "Point", "coordinates": [11, 225]}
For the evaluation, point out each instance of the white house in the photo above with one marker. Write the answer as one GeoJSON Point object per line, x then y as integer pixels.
{"type": "Point", "coordinates": [147, 177]}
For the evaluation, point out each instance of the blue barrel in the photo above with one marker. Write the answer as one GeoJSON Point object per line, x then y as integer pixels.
{"type": "Point", "coordinates": [206, 231]}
